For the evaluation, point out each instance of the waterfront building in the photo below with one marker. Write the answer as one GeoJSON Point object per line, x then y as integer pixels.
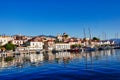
{"type": "Point", "coordinates": [85, 42]}
{"type": "Point", "coordinates": [35, 43]}
{"type": "Point", "coordinates": [22, 49]}
{"type": "Point", "coordinates": [107, 42]}
{"type": "Point", "coordinates": [73, 41]}
{"type": "Point", "coordinates": [62, 46]}
{"type": "Point", "coordinates": [94, 43]}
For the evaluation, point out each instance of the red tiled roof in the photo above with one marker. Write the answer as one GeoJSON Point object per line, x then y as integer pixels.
{"type": "Point", "coordinates": [35, 39]}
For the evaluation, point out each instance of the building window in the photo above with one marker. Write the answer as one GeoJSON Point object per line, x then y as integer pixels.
{"type": "Point", "coordinates": [33, 44]}
{"type": "Point", "coordinates": [4, 40]}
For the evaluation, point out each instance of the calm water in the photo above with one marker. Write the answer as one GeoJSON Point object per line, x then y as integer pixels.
{"type": "Point", "coordinates": [103, 65]}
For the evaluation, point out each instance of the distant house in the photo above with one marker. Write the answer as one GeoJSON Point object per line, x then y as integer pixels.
{"type": "Point", "coordinates": [106, 42]}
{"type": "Point", "coordinates": [19, 40]}
{"type": "Point", "coordinates": [4, 40]}
{"type": "Point", "coordinates": [74, 41]}
{"type": "Point", "coordinates": [62, 46]}
{"type": "Point", "coordinates": [35, 44]}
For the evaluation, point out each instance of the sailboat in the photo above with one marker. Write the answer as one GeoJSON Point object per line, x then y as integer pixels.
{"type": "Point", "coordinates": [89, 48]}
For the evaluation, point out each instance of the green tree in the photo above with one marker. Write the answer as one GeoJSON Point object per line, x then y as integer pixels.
{"type": "Point", "coordinates": [66, 36]}
{"type": "Point", "coordinates": [9, 46]}
{"type": "Point", "coordinates": [95, 38]}
{"type": "Point", "coordinates": [73, 46]}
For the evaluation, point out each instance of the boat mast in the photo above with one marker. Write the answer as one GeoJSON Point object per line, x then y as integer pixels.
{"type": "Point", "coordinates": [89, 35]}
{"type": "Point", "coordinates": [84, 35]}
{"type": "Point", "coordinates": [117, 36]}
{"type": "Point", "coordinates": [105, 36]}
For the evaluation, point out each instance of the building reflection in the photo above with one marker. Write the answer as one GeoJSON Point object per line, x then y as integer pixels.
{"type": "Point", "coordinates": [86, 58]}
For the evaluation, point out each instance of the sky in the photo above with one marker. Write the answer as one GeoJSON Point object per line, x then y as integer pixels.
{"type": "Point", "coordinates": [50, 17]}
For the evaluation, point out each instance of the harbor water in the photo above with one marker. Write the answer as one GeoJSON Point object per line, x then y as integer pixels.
{"type": "Point", "coordinates": [98, 65]}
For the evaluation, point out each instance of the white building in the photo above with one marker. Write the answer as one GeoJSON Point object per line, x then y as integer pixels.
{"type": "Point", "coordinates": [106, 42]}
{"type": "Point", "coordinates": [62, 46]}
{"type": "Point", "coordinates": [4, 40]}
{"type": "Point", "coordinates": [22, 48]}
{"type": "Point", "coordinates": [36, 45]}
{"type": "Point", "coordinates": [18, 42]}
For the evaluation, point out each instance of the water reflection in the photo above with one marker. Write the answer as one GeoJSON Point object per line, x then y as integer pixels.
{"type": "Point", "coordinates": [87, 59]}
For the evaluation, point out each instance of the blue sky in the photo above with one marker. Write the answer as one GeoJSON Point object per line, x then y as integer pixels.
{"type": "Point", "coordinates": [49, 17]}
